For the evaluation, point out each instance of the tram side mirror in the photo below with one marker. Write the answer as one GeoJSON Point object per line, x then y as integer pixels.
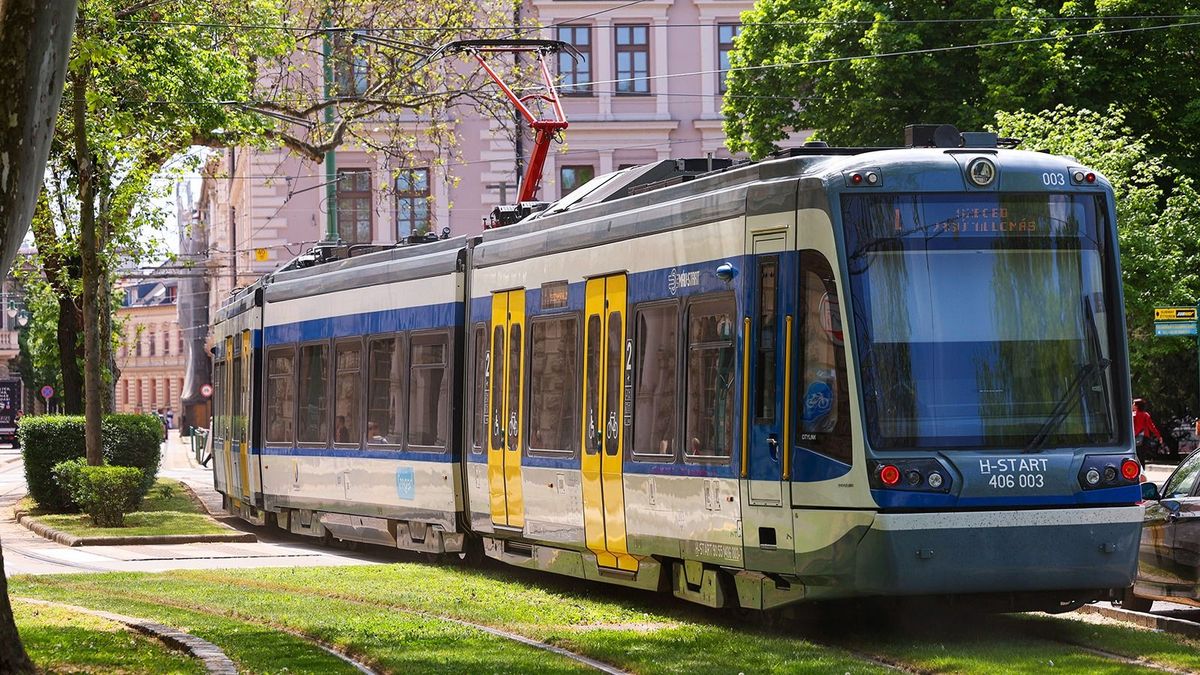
{"type": "Point", "coordinates": [1150, 492]}
{"type": "Point", "coordinates": [726, 272]}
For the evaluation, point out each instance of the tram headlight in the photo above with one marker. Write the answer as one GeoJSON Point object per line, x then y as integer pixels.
{"type": "Point", "coordinates": [1092, 476]}
{"type": "Point", "coordinates": [1110, 473]}
{"type": "Point", "coordinates": [913, 474]}
{"type": "Point", "coordinates": [913, 477]}
{"type": "Point", "coordinates": [935, 480]}
{"type": "Point", "coordinates": [1130, 469]}
{"type": "Point", "coordinates": [889, 475]}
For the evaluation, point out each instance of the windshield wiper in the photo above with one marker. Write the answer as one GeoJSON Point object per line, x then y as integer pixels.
{"type": "Point", "coordinates": [1065, 404]}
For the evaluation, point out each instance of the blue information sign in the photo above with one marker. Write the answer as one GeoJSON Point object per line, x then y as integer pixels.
{"type": "Point", "coordinates": [1168, 328]}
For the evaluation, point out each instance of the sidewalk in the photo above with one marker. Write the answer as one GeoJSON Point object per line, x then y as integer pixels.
{"type": "Point", "coordinates": [27, 553]}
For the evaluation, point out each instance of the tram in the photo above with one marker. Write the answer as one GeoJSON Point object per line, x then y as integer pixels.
{"type": "Point", "coordinates": [834, 373]}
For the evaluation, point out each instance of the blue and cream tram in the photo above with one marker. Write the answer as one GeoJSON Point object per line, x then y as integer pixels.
{"type": "Point", "coordinates": [834, 373]}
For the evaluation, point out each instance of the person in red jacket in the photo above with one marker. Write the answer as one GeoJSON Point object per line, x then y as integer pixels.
{"type": "Point", "coordinates": [1149, 440]}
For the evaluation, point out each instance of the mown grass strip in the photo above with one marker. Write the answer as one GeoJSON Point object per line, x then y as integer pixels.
{"type": "Point", "coordinates": [380, 637]}
{"type": "Point", "coordinates": [61, 641]}
{"type": "Point", "coordinates": [617, 631]}
{"type": "Point", "coordinates": [1173, 651]}
{"type": "Point", "coordinates": [167, 510]}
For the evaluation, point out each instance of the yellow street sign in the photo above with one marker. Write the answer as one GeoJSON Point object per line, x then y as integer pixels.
{"type": "Point", "coordinates": [1174, 313]}
{"type": "Point", "coordinates": [262, 255]}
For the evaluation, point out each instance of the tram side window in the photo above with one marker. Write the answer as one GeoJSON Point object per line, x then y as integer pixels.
{"type": "Point", "coordinates": [656, 382]}
{"type": "Point", "coordinates": [710, 376]}
{"type": "Point", "coordinates": [218, 417]}
{"type": "Point", "coordinates": [553, 384]}
{"type": "Point", "coordinates": [479, 387]}
{"type": "Point", "coordinates": [765, 387]}
{"type": "Point", "coordinates": [281, 395]}
{"type": "Point", "coordinates": [385, 392]}
{"type": "Point", "coordinates": [429, 392]}
{"type": "Point", "coordinates": [347, 381]}
{"type": "Point", "coordinates": [236, 415]}
{"type": "Point", "coordinates": [496, 414]}
{"type": "Point", "coordinates": [824, 418]}
{"type": "Point", "coordinates": [314, 394]}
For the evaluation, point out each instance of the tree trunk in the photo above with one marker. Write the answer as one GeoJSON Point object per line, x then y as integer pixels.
{"type": "Point", "coordinates": [89, 249]}
{"type": "Point", "coordinates": [69, 354]}
{"type": "Point", "coordinates": [35, 36]}
{"type": "Point", "coordinates": [107, 369]}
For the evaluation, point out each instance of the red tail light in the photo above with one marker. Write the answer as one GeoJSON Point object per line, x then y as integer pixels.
{"type": "Point", "coordinates": [1130, 469]}
{"type": "Point", "coordinates": [889, 474]}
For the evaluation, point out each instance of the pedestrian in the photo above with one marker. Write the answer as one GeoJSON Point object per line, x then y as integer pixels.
{"type": "Point", "coordinates": [162, 418]}
{"type": "Point", "coordinates": [170, 418]}
{"type": "Point", "coordinates": [17, 435]}
{"type": "Point", "coordinates": [1149, 440]}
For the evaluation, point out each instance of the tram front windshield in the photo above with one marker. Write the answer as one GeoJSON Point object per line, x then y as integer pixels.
{"type": "Point", "coordinates": [982, 320]}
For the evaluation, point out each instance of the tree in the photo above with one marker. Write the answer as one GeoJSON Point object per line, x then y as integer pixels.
{"type": "Point", "coordinates": [857, 71]}
{"type": "Point", "coordinates": [1158, 225]}
{"type": "Point", "coordinates": [34, 35]}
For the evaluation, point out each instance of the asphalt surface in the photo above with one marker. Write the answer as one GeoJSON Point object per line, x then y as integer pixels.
{"type": "Point", "coordinates": [27, 553]}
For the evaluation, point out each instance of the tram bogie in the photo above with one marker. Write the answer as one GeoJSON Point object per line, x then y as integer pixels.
{"type": "Point", "coordinates": [837, 374]}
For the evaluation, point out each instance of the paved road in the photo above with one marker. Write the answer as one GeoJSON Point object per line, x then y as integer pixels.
{"type": "Point", "coordinates": [27, 553]}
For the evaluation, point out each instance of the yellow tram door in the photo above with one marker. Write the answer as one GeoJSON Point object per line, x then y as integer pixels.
{"type": "Point", "coordinates": [243, 416]}
{"type": "Point", "coordinates": [507, 389]}
{"type": "Point", "coordinates": [605, 377]}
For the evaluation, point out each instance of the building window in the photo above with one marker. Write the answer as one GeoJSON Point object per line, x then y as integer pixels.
{"type": "Point", "coordinates": [180, 336]}
{"type": "Point", "coordinates": [412, 202]}
{"type": "Point", "coordinates": [726, 32]}
{"type": "Point", "coordinates": [633, 59]}
{"type": "Point", "coordinates": [350, 66]}
{"type": "Point", "coordinates": [166, 342]}
{"type": "Point", "coordinates": [575, 75]}
{"type": "Point", "coordinates": [572, 176]}
{"type": "Point", "coordinates": [354, 205]}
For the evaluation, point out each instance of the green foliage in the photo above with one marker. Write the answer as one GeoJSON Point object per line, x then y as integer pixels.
{"type": "Point", "coordinates": [103, 492]}
{"type": "Point", "coordinates": [47, 440]}
{"type": "Point", "coordinates": [857, 71]}
{"type": "Point", "coordinates": [1158, 222]}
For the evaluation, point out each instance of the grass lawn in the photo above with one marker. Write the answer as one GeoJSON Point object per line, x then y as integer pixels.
{"type": "Point", "coordinates": [393, 618]}
{"type": "Point", "coordinates": [63, 641]}
{"type": "Point", "coordinates": [167, 509]}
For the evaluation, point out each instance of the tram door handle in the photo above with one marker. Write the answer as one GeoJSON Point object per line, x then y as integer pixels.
{"type": "Point", "coordinates": [773, 444]}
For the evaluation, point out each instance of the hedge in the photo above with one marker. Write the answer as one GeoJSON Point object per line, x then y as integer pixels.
{"type": "Point", "coordinates": [106, 493]}
{"type": "Point", "coordinates": [46, 440]}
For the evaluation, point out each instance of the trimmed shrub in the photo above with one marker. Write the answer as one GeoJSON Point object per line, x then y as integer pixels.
{"type": "Point", "coordinates": [46, 440]}
{"type": "Point", "coordinates": [104, 492]}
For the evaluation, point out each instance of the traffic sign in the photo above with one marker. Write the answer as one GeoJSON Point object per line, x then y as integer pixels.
{"type": "Point", "coordinates": [1170, 328]}
{"type": "Point", "coordinates": [1174, 313]}
{"type": "Point", "coordinates": [47, 392]}
{"type": "Point", "coordinates": [206, 390]}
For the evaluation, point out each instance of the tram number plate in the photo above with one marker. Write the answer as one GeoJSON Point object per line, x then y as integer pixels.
{"type": "Point", "coordinates": [1014, 473]}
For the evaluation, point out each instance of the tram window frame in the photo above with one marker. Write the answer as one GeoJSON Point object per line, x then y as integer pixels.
{"type": "Point", "coordinates": [360, 415]}
{"type": "Point", "coordinates": [424, 338]}
{"type": "Point", "coordinates": [218, 418]}
{"type": "Point", "coordinates": [574, 385]}
{"type": "Point", "coordinates": [236, 419]}
{"type": "Point", "coordinates": [638, 359]}
{"type": "Point", "coordinates": [291, 379]}
{"type": "Point", "coordinates": [684, 400]}
{"type": "Point", "coordinates": [402, 396]}
{"type": "Point", "coordinates": [480, 366]}
{"type": "Point", "coordinates": [302, 393]}
{"type": "Point", "coordinates": [837, 444]}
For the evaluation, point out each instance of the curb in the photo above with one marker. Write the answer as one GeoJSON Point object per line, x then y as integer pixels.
{"type": "Point", "coordinates": [215, 660]}
{"type": "Point", "coordinates": [1152, 621]}
{"type": "Point", "coordinates": [60, 537]}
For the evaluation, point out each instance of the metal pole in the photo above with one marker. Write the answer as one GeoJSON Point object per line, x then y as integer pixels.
{"type": "Point", "coordinates": [331, 229]}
